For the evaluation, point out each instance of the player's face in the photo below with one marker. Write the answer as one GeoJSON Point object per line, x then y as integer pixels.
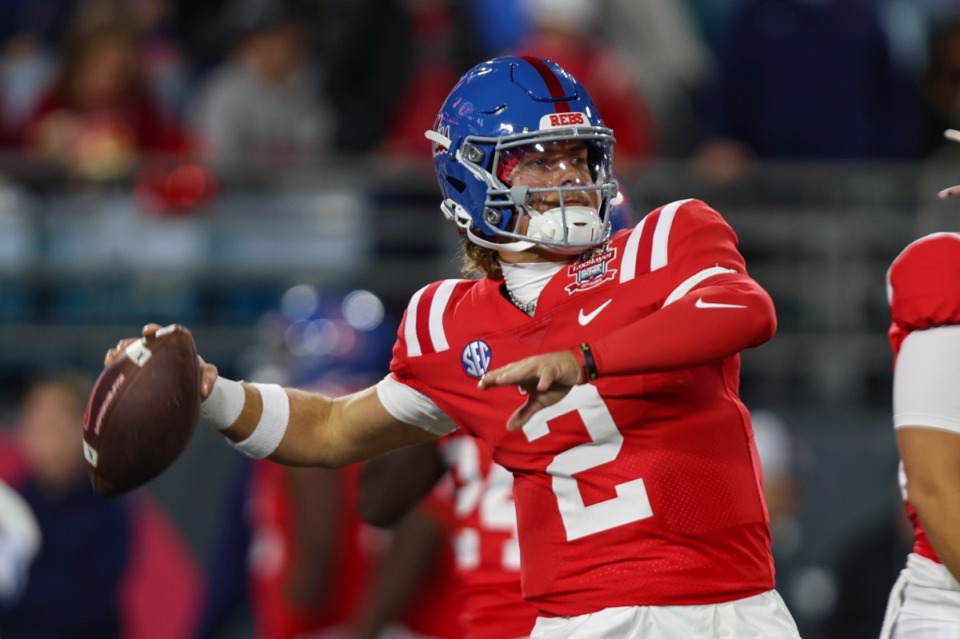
{"type": "Point", "coordinates": [551, 165]}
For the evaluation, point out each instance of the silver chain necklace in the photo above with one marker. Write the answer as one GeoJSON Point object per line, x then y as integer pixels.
{"type": "Point", "coordinates": [526, 307]}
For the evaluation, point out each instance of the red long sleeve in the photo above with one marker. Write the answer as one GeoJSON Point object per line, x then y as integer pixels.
{"type": "Point", "coordinates": [692, 331]}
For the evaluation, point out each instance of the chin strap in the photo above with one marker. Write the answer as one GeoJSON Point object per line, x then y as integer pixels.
{"type": "Point", "coordinates": [577, 225]}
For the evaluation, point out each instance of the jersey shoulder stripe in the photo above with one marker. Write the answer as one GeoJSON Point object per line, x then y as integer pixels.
{"type": "Point", "coordinates": [646, 249]}
{"type": "Point", "coordinates": [423, 331]}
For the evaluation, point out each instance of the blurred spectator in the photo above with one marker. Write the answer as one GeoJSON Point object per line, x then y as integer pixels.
{"type": "Point", "coordinates": [27, 66]}
{"type": "Point", "coordinates": [805, 80]}
{"type": "Point", "coordinates": [263, 107]}
{"type": "Point", "coordinates": [165, 67]}
{"type": "Point", "coordinates": [439, 54]}
{"type": "Point", "coordinates": [30, 33]}
{"type": "Point", "coordinates": [19, 543]}
{"type": "Point", "coordinates": [567, 32]}
{"type": "Point", "coordinates": [666, 55]}
{"type": "Point", "coordinates": [74, 583]}
{"type": "Point", "coordinates": [387, 95]}
{"type": "Point", "coordinates": [119, 566]}
{"type": "Point", "coordinates": [97, 118]}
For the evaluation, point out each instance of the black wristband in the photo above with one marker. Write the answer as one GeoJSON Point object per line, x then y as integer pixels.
{"type": "Point", "coordinates": [589, 364]}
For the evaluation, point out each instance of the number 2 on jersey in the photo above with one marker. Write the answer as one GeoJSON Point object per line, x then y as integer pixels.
{"type": "Point", "coordinates": [580, 520]}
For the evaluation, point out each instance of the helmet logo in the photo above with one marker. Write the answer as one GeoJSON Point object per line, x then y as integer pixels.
{"type": "Point", "coordinates": [440, 138]}
{"type": "Point", "coordinates": [556, 120]}
{"type": "Point", "coordinates": [475, 358]}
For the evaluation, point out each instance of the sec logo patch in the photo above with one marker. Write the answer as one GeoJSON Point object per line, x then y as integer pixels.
{"type": "Point", "coordinates": [475, 358]}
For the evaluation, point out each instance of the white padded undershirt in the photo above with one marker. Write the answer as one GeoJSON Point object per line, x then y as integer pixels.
{"type": "Point", "coordinates": [926, 381]}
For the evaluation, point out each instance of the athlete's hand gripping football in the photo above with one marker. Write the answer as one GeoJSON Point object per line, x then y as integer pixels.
{"type": "Point", "coordinates": [208, 372]}
{"type": "Point", "coordinates": [546, 378]}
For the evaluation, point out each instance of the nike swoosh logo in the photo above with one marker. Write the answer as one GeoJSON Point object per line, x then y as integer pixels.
{"type": "Point", "coordinates": [701, 304]}
{"type": "Point", "coordinates": [585, 319]}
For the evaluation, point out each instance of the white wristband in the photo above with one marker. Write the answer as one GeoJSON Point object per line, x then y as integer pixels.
{"type": "Point", "coordinates": [268, 434]}
{"type": "Point", "coordinates": [223, 405]}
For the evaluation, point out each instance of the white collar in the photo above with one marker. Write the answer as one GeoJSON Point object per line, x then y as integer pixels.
{"type": "Point", "coordinates": [526, 280]}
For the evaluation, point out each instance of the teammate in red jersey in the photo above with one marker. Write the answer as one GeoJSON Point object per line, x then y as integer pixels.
{"type": "Point", "coordinates": [925, 336]}
{"type": "Point", "coordinates": [602, 372]}
{"type": "Point", "coordinates": [484, 524]}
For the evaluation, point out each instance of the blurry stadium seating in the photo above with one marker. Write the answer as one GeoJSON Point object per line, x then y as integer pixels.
{"type": "Point", "coordinates": [819, 237]}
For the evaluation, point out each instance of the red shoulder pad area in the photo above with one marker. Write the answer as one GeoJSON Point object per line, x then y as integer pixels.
{"type": "Point", "coordinates": [923, 283]}
{"type": "Point", "coordinates": [423, 329]}
{"type": "Point", "coordinates": [682, 237]}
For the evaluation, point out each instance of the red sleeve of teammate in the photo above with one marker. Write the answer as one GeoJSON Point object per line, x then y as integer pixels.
{"type": "Point", "coordinates": [714, 309]}
{"type": "Point", "coordinates": [922, 283]}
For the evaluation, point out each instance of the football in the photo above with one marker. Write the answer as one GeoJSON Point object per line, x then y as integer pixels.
{"type": "Point", "coordinates": [142, 411]}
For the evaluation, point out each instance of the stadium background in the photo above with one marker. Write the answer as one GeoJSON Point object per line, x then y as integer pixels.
{"type": "Point", "coordinates": [86, 261]}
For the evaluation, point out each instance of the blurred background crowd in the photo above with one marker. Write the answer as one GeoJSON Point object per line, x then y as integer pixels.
{"type": "Point", "coordinates": [255, 169]}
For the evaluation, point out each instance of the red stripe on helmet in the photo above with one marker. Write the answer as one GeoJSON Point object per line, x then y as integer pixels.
{"type": "Point", "coordinates": [550, 79]}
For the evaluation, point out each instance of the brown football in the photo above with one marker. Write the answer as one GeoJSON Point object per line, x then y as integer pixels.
{"type": "Point", "coordinates": [142, 411]}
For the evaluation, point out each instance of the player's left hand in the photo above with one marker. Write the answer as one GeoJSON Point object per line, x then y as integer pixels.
{"type": "Point", "coordinates": [546, 378]}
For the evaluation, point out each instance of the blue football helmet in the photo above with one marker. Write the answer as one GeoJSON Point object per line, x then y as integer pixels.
{"type": "Point", "coordinates": [329, 339]}
{"type": "Point", "coordinates": [621, 213]}
{"type": "Point", "coordinates": [501, 107]}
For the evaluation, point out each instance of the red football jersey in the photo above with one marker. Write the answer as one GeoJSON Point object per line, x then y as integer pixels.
{"type": "Point", "coordinates": [923, 292]}
{"type": "Point", "coordinates": [276, 550]}
{"type": "Point", "coordinates": [635, 489]}
{"type": "Point", "coordinates": [487, 550]}
{"type": "Point", "coordinates": [433, 612]}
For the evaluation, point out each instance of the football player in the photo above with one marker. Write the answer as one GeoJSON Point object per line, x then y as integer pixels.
{"type": "Point", "coordinates": [484, 524]}
{"type": "Point", "coordinates": [601, 371]}
{"type": "Point", "coordinates": [484, 519]}
{"type": "Point", "coordinates": [925, 337]}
